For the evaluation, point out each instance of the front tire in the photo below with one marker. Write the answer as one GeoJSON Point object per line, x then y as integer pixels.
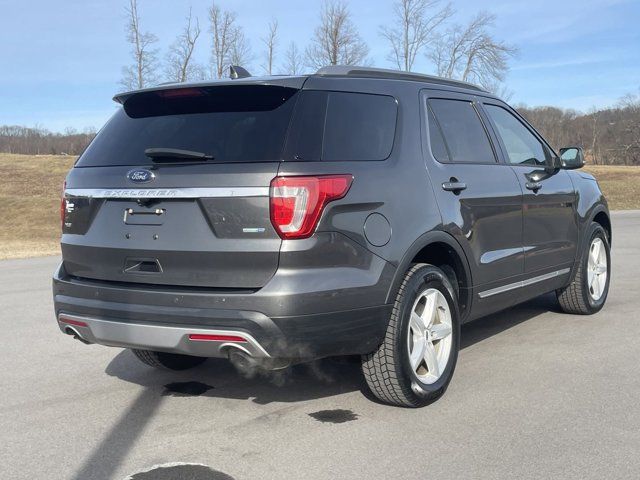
{"type": "Point", "coordinates": [167, 361]}
{"type": "Point", "coordinates": [588, 291]}
{"type": "Point", "coordinates": [415, 362]}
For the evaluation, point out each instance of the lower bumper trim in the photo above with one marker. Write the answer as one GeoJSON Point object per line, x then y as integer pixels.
{"type": "Point", "coordinates": [201, 342]}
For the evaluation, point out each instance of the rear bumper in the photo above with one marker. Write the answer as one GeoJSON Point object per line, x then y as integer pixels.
{"type": "Point", "coordinates": [294, 320]}
{"type": "Point", "coordinates": [201, 342]}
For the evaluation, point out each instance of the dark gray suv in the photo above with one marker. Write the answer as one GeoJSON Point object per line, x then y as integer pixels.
{"type": "Point", "coordinates": [355, 211]}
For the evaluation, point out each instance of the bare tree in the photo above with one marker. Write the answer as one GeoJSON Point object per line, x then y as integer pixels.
{"type": "Point", "coordinates": [629, 131]}
{"type": "Point", "coordinates": [180, 66]}
{"type": "Point", "coordinates": [292, 60]}
{"type": "Point", "coordinates": [240, 53]}
{"type": "Point", "coordinates": [336, 40]}
{"type": "Point", "coordinates": [223, 30]}
{"type": "Point", "coordinates": [594, 114]}
{"type": "Point", "coordinates": [229, 46]}
{"type": "Point", "coordinates": [270, 42]}
{"type": "Point", "coordinates": [499, 89]}
{"type": "Point", "coordinates": [470, 53]}
{"type": "Point", "coordinates": [609, 136]}
{"type": "Point", "coordinates": [143, 72]}
{"type": "Point", "coordinates": [416, 22]}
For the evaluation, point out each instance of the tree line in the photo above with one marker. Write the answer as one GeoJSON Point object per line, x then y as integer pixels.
{"type": "Point", "coordinates": [609, 136]}
{"type": "Point", "coordinates": [418, 28]}
{"type": "Point", "coordinates": [426, 28]}
{"type": "Point", "coordinates": [39, 141]}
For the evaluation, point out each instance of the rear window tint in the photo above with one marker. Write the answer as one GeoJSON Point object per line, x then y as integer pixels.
{"type": "Point", "coordinates": [307, 127]}
{"type": "Point", "coordinates": [464, 135]}
{"type": "Point", "coordinates": [438, 147]}
{"type": "Point", "coordinates": [245, 123]}
{"type": "Point", "coordinates": [341, 126]}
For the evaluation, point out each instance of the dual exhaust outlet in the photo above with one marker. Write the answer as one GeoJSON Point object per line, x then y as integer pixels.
{"type": "Point", "coordinates": [241, 359]}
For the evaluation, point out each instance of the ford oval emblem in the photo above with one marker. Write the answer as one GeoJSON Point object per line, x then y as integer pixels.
{"type": "Point", "coordinates": [141, 175]}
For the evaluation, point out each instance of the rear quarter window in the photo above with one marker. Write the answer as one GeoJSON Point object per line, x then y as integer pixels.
{"type": "Point", "coordinates": [342, 126]}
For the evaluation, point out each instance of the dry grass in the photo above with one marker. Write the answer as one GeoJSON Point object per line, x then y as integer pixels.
{"type": "Point", "coordinates": [620, 184]}
{"type": "Point", "coordinates": [30, 196]}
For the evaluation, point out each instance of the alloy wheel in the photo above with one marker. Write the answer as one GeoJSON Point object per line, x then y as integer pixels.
{"type": "Point", "coordinates": [597, 269]}
{"type": "Point", "coordinates": [429, 335]}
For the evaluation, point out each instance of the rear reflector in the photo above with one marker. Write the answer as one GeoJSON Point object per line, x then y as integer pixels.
{"type": "Point", "coordinates": [63, 204]}
{"type": "Point", "coordinates": [202, 337]}
{"type": "Point", "coordinates": [296, 203]}
{"type": "Point", "coordinates": [77, 323]}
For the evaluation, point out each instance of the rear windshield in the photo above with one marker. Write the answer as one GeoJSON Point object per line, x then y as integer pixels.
{"type": "Point", "coordinates": [243, 123]}
{"type": "Point", "coordinates": [342, 126]}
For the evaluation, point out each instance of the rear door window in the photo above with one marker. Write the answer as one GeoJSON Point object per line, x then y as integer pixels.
{"type": "Point", "coordinates": [244, 123]}
{"type": "Point", "coordinates": [342, 126]}
{"type": "Point", "coordinates": [464, 135]}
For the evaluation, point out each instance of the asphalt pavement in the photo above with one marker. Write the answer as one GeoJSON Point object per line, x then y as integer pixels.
{"type": "Point", "coordinates": [536, 394]}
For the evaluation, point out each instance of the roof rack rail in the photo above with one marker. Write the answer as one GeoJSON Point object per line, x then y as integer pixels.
{"type": "Point", "coordinates": [370, 72]}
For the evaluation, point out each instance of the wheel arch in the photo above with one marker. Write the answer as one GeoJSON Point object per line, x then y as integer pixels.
{"type": "Point", "coordinates": [601, 216]}
{"type": "Point", "coordinates": [440, 249]}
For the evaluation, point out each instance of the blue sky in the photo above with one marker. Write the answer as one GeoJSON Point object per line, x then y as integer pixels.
{"type": "Point", "coordinates": [60, 62]}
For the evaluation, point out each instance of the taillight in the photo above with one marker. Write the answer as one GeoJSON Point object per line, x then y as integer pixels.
{"type": "Point", "coordinates": [296, 203]}
{"type": "Point", "coordinates": [63, 205]}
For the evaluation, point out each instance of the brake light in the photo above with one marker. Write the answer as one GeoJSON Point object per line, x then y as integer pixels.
{"type": "Point", "coordinates": [63, 204]}
{"type": "Point", "coordinates": [296, 203]}
{"type": "Point", "coordinates": [180, 93]}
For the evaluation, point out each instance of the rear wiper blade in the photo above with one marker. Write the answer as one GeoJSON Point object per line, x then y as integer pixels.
{"type": "Point", "coordinates": [173, 153]}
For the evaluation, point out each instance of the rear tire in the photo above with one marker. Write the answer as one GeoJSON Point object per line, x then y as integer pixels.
{"type": "Point", "coordinates": [167, 361]}
{"type": "Point", "coordinates": [588, 291]}
{"type": "Point", "coordinates": [410, 368]}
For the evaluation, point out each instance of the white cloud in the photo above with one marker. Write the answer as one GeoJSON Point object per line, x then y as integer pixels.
{"type": "Point", "coordinates": [558, 63]}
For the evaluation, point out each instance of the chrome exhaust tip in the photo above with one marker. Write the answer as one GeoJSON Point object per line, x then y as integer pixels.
{"type": "Point", "coordinates": [247, 364]}
{"type": "Point", "coordinates": [75, 334]}
{"type": "Point", "coordinates": [243, 361]}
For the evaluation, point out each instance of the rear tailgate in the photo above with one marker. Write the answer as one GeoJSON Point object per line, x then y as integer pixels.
{"type": "Point", "coordinates": [198, 221]}
{"type": "Point", "coordinates": [199, 225]}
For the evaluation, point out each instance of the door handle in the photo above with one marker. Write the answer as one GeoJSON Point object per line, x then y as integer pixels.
{"type": "Point", "coordinates": [454, 187]}
{"type": "Point", "coordinates": [535, 186]}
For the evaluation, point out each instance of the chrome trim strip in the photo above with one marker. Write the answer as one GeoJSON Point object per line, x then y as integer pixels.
{"type": "Point", "coordinates": [167, 338]}
{"type": "Point", "coordinates": [523, 283]}
{"type": "Point", "coordinates": [192, 192]}
{"type": "Point", "coordinates": [494, 255]}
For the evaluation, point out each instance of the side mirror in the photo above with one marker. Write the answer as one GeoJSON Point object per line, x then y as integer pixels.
{"type": "Point", "coordinates": [571, 158]}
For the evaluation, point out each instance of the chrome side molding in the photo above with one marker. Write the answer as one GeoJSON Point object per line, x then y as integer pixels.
{"type": "Point", "coordinates": [523, 283]}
